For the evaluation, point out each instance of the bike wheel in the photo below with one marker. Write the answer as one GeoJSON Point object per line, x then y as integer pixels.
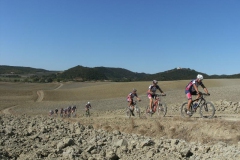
{"type": "Point", "coordinates": [207, 110]}
{"type": "Point", "coordinates": [137, 111]}
{"type": "Point", "coordinates": [128, 112]}
{"type": "Point", "coordinates": [183, 110]}
{"type": "Point", "coordinates": [162, 109]}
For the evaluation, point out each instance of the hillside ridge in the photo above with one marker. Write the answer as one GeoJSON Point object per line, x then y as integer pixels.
{"type": "Point", "coordinates": [81, 73]}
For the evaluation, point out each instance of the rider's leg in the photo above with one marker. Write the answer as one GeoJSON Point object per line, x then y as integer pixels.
{"type": "Point", "coordinates": [189, 104]}
{"type": "Point", "coordinates": [150, 102]}
{"type": "Point", "coordinates": [87, 111]}
{"type": "Point", "coordinates": [131, 106]}
{"type": "Point", "coordinates": [129, 103]}
{"type": "Point", "coordinates": [189, 96]}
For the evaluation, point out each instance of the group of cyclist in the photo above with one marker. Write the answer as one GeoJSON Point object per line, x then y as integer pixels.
{"type": "Point", "coordinates": [70, 110]}
{"type": "Point", "coordinates": [190, 89]}
{"type": "Point", "coordinates": [64, 112]}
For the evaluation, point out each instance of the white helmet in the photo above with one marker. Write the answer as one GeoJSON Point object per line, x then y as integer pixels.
{"type": "Point", "coordinates": [88, 102]}
{"type": "Point", "coordinates": [200, 77]}
{"type": "Point", "coordinates": [155, 81]}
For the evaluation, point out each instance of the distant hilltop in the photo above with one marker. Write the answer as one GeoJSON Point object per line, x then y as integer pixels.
{"type": "Point", "coordinates": [81, 74]}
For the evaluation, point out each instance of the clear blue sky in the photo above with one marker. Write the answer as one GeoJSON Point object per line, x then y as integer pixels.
{"type": "Point", "coordinates": [138, 35]}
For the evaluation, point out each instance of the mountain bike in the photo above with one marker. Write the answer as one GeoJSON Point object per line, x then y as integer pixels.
{"type": "Point", "coordinates": [74, 113]}
{"type": "Point", "coordinates": [133, 109]}
{"type": "Point", "coordinates": [207, 109]}
{"type": "Point", "coordinates": [62, 112]}
{"type": "Point", "coordinates": [157, 106]}
{"type": "Point", "coordinates": [87, 112]}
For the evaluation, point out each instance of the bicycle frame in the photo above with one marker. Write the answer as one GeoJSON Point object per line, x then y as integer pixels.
{"type": "Point", "coordinates": [133, 108]}
{"type": "Point", "coordinates": [202, 101]}
{"type": "Point", "coordinates": [134, 105]}
{"type": "Point", "coordinates": [155, 103]}
{"type": "Point", "coordinates": [157, 107]}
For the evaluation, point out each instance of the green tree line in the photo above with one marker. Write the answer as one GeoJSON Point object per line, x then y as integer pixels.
{"type": "Point", "coordinates": [81, 74]}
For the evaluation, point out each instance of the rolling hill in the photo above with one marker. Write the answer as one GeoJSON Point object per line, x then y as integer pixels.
{"type": "Point", "coordinates": [81, 73]}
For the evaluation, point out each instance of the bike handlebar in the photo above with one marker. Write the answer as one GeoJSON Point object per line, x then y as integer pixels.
{"type": "Point", "coordinates": [204, 94]}
{"type": "Point", "coordinates": [160, 95]}
{"type": "Point", "coordinates": [136, 101]}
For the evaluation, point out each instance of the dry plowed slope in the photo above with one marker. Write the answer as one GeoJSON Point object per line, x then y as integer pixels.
{"type": "Point", "coordinates": [109, 100]}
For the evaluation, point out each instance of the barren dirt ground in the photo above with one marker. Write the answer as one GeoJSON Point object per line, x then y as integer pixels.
{"type": "Point", "coordinates": [108, 108]}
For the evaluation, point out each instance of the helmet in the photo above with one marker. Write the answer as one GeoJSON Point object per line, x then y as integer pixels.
{"type": "Point", "coordinates": [134, 90]}
{"type": "Point", "coordinates": [200, 77]}
{"type": "Point", "coordinates": [155, 81]}
{"type": "Point", "coordinates": [88, 102]}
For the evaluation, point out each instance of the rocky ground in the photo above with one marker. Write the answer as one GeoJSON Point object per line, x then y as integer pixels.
{"type": "Point", "coordinates": [39, 137]}
{"type": "Point", "coordinates": [111, 135]}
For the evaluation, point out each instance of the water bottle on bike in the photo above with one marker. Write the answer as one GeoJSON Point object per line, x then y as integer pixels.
{"type": "Point", "coordinates": [154, 108]}
{"type": "Point", "coordinates": [195, 105]}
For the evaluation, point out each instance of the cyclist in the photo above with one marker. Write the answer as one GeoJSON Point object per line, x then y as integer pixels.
{"type": "Point", "coordinates": [74, 108]}
{"type": "Point", "coordinates": [51, 112]}
{"type": "Point", "coordinates": [61, 112]}
{"type": "Point", "coordinates": [56, 112]}
{"type": "Point", "coordinates": [130, 97]}
{"type": "Point", "coordinates": [192, 89]}
{"type": "Point", "coordinates": [65, 112]}
{"type": "Point", "coordinates": [69, 110]}
{"type": "Point", "coordinates": [151, 93]}
{"type": "Point", "coordinates": [88, 106]}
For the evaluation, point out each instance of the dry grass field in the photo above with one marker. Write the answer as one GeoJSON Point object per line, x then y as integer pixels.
{"type": "Point", "coordinates": [12, 94]}
{"type": "Point", "coordinates": [108, 100]}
